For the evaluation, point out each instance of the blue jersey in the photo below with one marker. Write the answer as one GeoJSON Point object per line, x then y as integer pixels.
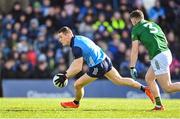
{"type": "Point", "coordinates": [84, 47]}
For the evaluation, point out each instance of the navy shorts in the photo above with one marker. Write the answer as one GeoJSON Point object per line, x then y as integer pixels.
{"type": "Point", "coordinates": [100, 69]}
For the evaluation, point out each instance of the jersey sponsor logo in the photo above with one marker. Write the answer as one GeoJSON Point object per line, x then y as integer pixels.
{"type": "Point", "coordinates": [151, 27]}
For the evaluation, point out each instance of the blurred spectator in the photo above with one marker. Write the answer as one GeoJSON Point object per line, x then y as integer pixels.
{"type": "Point", "coordinates": [67, 15]}
{"type": "Point", "coordinates": [7, 30]}
{"type": "Point", "coordinates": [175, 68]}
{"type": "Point", "coordinates": [37, 13]}
{"type": "Point", "coordinates": [41, 70]}
{"type": "Point", "coordinates": [125, 38]}
{"type": "Point", "coordinates": [157, 12]}
{"type": "Point", "coordinates": [124, 66]}
{"type": "Point", "coordinates": [66, 20]}
{"type": "Point", "coordinates": [171, 11]}
{"type": "Point", "coordinates": [29, 13]}
{"type": "Point", "coordinates": [103, 45]}
{"type": "Point", "coordinates": [33, 28]}
{"type": "Point", "coordinates": [142, 52]}
{"type": "Point", "coordinates": [45, 7]}
{"type": "Point", "coordinates": [109, 11]}
{"type": "Point", "coordinates": [126, 19]}
{"type": "Point", "coordinates": [85, 9]}
{"type": "Point", "coordinates": [32, 56]}
{"type": "Point", "coordinates": [114, 49]}
{"type": "Point", "coordinates": [23, 20]}
{"type": "Point", "coordinates": [24, 71]}
{"type": "Point", "coordinates": [173, 43]}
{"type": "Point", "coordinates": [177, 23]}
{"type": "Point", "coordinates": [85, 27]}
{"type": "Point", "coordinates": [119, 56]}
{"type": "Point", "coordinates": [117, 21]}
{"type": "Point", "coordinates": [22, 46]}
{"type": "Point", "coordinates": [60, 67]}
{"type": "Point", "coordinates": [50, 59]}
{"type": "Point", "coordinates": [8, 70]}
{"type": "Point", "coordinates": [41, 44]}
{"type": "Point", "coordinates": [17, 11]}
{"type": "Point", "coordinates": [13, 40]}
{"type": "Point", "coordinates": [101, 25]}
{"type": "Point", "coordinates": [4, 48]}
{"type": "Point", "coordinates": [99, 6]}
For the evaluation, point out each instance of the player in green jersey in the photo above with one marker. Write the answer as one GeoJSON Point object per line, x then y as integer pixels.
{"type": "Point", "coordinates": [154, 40]}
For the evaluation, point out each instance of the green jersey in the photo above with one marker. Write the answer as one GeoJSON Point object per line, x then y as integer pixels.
{"type": "Point", "coordinates": [151, 36]}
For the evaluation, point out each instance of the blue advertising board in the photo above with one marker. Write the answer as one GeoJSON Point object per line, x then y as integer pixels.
{"type": "Point", "coordinates": [98, 88]}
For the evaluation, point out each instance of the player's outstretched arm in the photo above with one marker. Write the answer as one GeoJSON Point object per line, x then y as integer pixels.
{"type": "Point", "coordinates": [75, 67]}
{"type": "Point", "coordinates": [134, 53]}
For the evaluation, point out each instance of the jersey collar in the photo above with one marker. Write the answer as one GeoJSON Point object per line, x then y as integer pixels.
{"type": "Point", "coordinates": [72, 41]}
{"type": "Point", "coordinates": [139, 23]}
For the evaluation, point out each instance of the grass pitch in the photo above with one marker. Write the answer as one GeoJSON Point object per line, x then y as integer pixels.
{"type": "Point", "coordinates": [89, 108]}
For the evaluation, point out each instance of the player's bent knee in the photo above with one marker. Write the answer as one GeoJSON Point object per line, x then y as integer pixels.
{"type": "Point", "coordinates": [78, 85]}
{"type": "Point", "coordinates": [168, 89]}
{"type": "Point", "coordinates": [148, 79]}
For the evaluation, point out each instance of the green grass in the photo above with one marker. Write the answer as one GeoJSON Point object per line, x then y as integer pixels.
{"type": "Point", "coordinates": [90, 108]}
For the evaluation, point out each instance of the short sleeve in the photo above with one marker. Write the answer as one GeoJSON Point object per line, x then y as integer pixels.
{"type": "Point", "coordinates": [77, 52]}
{"type": "Point", "coordinates": [134, 36]}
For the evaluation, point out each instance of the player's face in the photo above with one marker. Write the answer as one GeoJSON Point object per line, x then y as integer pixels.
{"type": "Point", "coordinates": [63, 38]}
{"type": "Point", "coordinates": [133, 21]}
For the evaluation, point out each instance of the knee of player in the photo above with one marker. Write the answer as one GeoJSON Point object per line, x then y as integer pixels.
{"type": "Point", "coordinates": [168, 89]}
{"type": "Point", "coordinates": [78, 85]}
{"type": "Point", "coordinates": [147, 78]}
{"type": "Point", "coordinates": [148, 81]}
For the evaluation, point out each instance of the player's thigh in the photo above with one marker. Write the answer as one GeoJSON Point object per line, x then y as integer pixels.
{"type": "Point", "coordinates": [84, 80]}
{"type": "Point", "coordinates": [113, 75]}
{"type": "Point", "coordinates": [160, 63]}
{"type": "Point", "coordinates": [150, 76]}
{"type": "Point", "coordinates": [164, 80]}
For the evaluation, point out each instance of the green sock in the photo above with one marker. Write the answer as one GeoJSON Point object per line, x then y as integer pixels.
{"type": "Point", "coordinates": [158, 101]}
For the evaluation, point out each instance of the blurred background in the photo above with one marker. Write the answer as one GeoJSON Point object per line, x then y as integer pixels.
{"type": "Point", "coordinates": [29, 50]}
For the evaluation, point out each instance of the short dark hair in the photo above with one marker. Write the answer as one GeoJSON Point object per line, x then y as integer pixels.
{"type": "Point", "coordinates": [137, 14]}
{"type": "Point", "coordinates": [64, 29]}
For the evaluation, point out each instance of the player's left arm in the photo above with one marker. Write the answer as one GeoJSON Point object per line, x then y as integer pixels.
{"type": "Point", "coordinates": [134, 53]}
{"type": "Point", "coordinates": [77, 64]}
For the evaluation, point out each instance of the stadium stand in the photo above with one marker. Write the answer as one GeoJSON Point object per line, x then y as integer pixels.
{"type": "Point", "coordinates": [29, 46]}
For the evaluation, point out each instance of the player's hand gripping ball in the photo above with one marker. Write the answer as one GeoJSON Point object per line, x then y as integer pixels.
{"type": "Point", "coordinates": [60, 80]}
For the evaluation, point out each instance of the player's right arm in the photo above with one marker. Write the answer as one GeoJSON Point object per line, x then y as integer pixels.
{"type": "Point", "coordinates": [75, 67]}
{"type": "Point", "coordinates": [77, 64]}
{"type": "Point", "coordinates": [134, 53]}
{"type": "Point", "coordinates": [133, 59]}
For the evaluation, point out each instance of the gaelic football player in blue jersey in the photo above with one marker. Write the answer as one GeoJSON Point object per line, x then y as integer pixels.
{"type": "Point", "coordinates": [98, 62]}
